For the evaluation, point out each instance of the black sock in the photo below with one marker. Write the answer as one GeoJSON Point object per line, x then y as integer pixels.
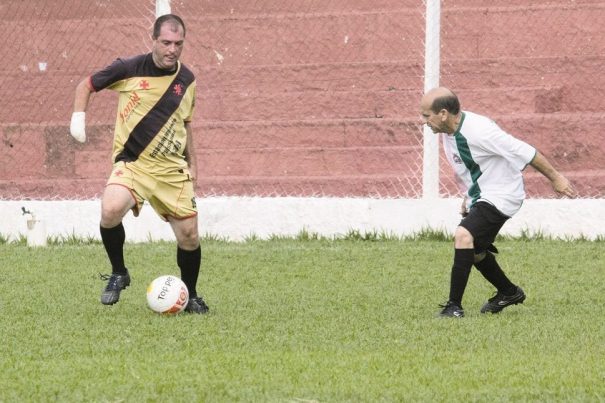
{"type": "Point", "coordinates": [189, 262]}
{"type": "Point", "coordinates": [463, 262]}
{"type": "Point", "coordinates": [490, 269]}
{"type": "Point", "coordinates": [113, 240]}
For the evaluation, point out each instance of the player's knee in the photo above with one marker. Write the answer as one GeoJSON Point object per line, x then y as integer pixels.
{"type": "Point", "coordinates": [111, 217]}
{"type": "Point", "coordinates": [189, 239]}
{"type": "Point", "coordinates": [463, 238]}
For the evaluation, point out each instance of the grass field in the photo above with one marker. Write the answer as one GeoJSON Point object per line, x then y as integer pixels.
{"type": "Point", "coordinates": [303, 320]}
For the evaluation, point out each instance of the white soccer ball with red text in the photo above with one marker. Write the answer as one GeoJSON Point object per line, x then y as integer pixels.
{"type": "Point", "coordinates": [167, 295]}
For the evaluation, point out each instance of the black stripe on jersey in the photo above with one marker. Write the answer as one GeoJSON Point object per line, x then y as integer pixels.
{"type": "Point", "coordinates": [151, 124]}
{"type": "Point", "coordinates": [121, 69]}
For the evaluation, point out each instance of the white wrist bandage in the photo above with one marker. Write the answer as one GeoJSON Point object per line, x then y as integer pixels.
{"type": "Point", "coordinates": [76, 128]}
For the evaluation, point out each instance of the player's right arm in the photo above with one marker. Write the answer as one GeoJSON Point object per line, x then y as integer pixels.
{"type": "Point", "coordinates": [105, 78]}
{"type": "Point", "coordinates": [78, 117]}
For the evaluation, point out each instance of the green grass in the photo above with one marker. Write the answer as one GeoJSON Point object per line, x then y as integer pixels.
{"type": "Point", "coordinates": [300, 320]}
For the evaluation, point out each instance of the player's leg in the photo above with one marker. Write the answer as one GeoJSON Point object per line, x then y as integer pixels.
{"type": "Point", "coordinates": [474, 235]}
{"type": "Point", "coordinates": [174, 200]}
{"type": "Point", "coordinates": [189, 258]}
{"type": "Point", "coordinates": [488, 266]}
{"type": "Point", "coordinates": [463, 262]}
{"type": "Point", "coordinates": [507, 293]}
{"type": "Point", "coordinates": [486, 263]}
{"type": "Point", "coordinates": [116, 202]}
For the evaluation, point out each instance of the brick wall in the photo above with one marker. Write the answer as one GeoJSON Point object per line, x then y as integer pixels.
{"type": "Point", "coordinates": [309, 101]}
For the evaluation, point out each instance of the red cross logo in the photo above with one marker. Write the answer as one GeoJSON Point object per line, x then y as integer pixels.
{"type": "Point", "coordinates": [144, 84]}
{"type": "Point", "coordinates": [119, 173]}
{"type": "Point", "coordinates": [178, 89]}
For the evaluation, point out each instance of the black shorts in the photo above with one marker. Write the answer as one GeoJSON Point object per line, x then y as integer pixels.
{"type": "Point", "coordinates": [483, 221]}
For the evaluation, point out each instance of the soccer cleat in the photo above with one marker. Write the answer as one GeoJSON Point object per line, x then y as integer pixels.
{"type": "Point", "coordinates": [196, 305]}
{"type": "Point", "coordinates": [117, 282]}
{"type": "Point", "coordinates": [500, 301]}
{"type": "Point", "coordinates": [451, 310]}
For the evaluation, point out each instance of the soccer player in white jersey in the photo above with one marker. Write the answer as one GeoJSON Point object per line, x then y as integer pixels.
{"type": "Point", "coordinates": [487, 163]}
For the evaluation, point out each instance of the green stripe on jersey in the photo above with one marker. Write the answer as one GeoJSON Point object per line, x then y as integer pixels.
{"type": "Point", "coordinates": [465, 153]}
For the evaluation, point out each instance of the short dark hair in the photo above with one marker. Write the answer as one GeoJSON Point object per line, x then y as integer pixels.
{"type": "Point", "coordinates": [448, 102]}
{"type": "Point", "coordinates": [175, 19]}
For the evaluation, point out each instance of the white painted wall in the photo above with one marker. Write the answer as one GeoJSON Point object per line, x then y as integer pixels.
{"type": "Point", "coordinates": [236, 218]}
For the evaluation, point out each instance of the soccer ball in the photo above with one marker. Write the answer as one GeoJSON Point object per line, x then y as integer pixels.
{"type": "Point", "coordinates": [167, 295]}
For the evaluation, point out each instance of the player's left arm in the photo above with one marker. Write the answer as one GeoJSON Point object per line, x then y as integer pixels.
{"type": "Point", "coordinates": [190, 156]}
{"type": "Point", "coordinates": [559, 182]}
{"type": "Point", "coordinates": [519, 152]}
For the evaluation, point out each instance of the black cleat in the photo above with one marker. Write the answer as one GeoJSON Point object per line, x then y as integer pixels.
{"type": "Point", "coordinates": [117, 282]}
{"type": "Point", "coordinates": [451, 310]}
{"type": "Point", "coordinates": [500, 301]}
{"type": "Point", "coordinates": [196, 305]}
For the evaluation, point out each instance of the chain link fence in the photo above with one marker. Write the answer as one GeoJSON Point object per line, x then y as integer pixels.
{"type": "Point", "coordinates": [306, 98]}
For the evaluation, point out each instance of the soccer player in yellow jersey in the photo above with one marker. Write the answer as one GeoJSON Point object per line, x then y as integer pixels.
{"type": "Point", "coordinates": [153, 154]}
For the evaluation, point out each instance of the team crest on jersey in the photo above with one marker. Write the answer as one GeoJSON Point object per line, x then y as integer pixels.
{"type": "Point", "coordinates": [144, 84]}
{"type": "Point", "coordinates": [457, 158]}
{"type": "Point", "coordinates": [177, 89]}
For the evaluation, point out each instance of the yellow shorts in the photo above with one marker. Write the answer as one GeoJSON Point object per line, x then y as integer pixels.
{"type": "Point", "coordinates": [169, 194]}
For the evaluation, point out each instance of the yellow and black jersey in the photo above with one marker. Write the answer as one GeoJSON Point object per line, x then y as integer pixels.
{"type": "Point", "coordinates": [153, 106]}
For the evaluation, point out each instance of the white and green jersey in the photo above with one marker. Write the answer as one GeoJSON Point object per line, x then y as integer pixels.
{"type": "Point", "coordinates": [488, 162]}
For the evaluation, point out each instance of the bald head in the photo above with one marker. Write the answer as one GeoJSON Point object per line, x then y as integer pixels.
{"type": "Point", "coordinates": [440, 98]}
{"type": "Point", "coordinates": [440, 109]}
